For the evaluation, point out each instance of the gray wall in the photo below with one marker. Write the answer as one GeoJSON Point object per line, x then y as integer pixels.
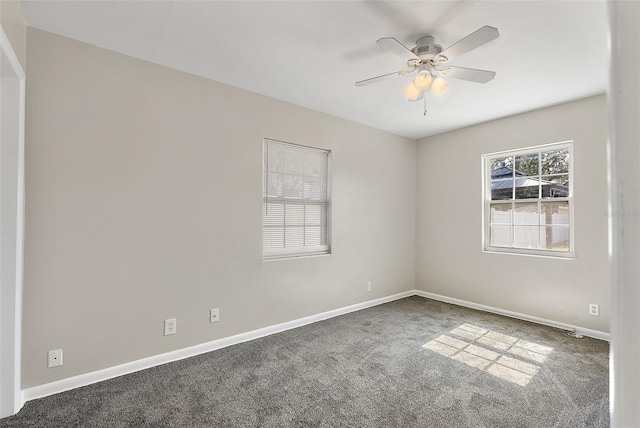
{"type": "Point", "coordinates": [144, 203]}
{"type": "Point", "coordinates": [449, 256]}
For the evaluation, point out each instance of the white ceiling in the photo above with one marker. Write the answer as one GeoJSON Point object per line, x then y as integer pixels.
{"type": "Point", "coordinates": [311, 53]}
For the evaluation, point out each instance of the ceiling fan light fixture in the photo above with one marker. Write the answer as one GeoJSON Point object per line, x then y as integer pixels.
{"type": "Point", "coordinates": [431, 62]}
{"type": "Point", "coordinates": [412, 92]}
{"type": "Point", "coordinates": [438, 85]}
{"type": "Point", "coordinates": [423, 80]}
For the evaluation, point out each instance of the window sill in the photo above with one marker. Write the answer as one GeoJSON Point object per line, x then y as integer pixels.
{"type": "Point", "coordinates": [302, 256]}
{"type": "Point", "coordinates": [515, 252]}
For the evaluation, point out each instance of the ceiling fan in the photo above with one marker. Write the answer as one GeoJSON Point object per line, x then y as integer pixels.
{"type": "Point", "coordinates": [431, 62]}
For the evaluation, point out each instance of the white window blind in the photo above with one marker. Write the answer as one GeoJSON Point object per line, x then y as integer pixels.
{"type": "Point", "coordinates": [295, 200]}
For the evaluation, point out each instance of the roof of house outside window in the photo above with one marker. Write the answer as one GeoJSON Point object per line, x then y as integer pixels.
{"type": "Point", "coordinates": [502, 178]}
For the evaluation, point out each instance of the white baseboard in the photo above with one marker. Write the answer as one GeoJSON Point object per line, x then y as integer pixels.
{"type": "Point", "coordinates": [580, 330]}
{"type": "Point", "coordinates": [156, 360]}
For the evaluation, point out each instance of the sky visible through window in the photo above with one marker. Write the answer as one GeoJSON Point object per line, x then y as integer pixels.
{"type": "Point", "coordinates": [507, 357]}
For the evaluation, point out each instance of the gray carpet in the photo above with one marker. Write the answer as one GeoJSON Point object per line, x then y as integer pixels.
{"type": "Point", "coordinates": [364, 369]}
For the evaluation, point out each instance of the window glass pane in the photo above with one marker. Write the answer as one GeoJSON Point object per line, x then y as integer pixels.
{"type": "Point", "coordinates": [293, 161]}
{"type": "Point", "coordinates": [555, 186]}
{"type": "Point", "coordinates": [526, 236]}
{"type": "Point", "coordinates": [273, 215]}
{"type": "Point", "coordinates": [555, 238]}
{"type": "Point", "coordinates": [313, 236]}
{"type": "Point", "coordinates": [527, 164]}
{"type": "Point", "coordinates": [502, 167]}
{"type": "Point", "coordinates": [501, 189]}
{"type": "Point", "coordinates": [313, 214]}
{"type": "Point", "coordinates": [273, 237]}
{"type": "Point", "coordinates": [526, 213]}
{"type": "Point", "coordinates": [294, 236]}
{"type": "Point", "coordinates": [275, 160]}
{"type": "Point", "coordinates": [527, 188]}
{"type": "Point", "coordinates": [324, 235]}
{"type": "Point", "coordinates": [500, 236]}
{"type": "Point", "coordinates": [554, 213]}
{"type": "Point", "coordinates": [555, 162]}
{"type": "Point", "coordinates": [292, 186]}
{"type": "Point", "coordinates": [294, 215]}
{"type": "Point", "coordinates": [501, 213]}
{"type": "Point", "coordinates": [274, 185]}
{"type": "Point", "coordinates": [314, 188]}
{"type": "Point", "coordinates": [314, 164]}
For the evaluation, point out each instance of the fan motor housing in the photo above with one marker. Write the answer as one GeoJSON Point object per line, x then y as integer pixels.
{"type": "Point", "coordinates": [426, 48]}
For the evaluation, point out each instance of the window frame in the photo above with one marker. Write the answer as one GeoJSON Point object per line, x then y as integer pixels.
{"type": "Point", "coordinates": [487, 202]}
{"type": "Point", "coordinates": [302, 251]}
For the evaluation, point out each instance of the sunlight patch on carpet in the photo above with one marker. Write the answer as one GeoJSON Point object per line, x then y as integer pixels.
{"type": "Point", "coordinates": [495, 353]}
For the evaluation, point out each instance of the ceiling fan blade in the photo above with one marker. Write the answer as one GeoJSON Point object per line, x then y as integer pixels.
{"type": "Point", "coordinates": [397, 48]}
{"type": "Point", "coordinates": [474, 40]}
{"type": "Point", "coordinates": [470, 74]}
{"type": "Point", "coordinates": [377, 79]}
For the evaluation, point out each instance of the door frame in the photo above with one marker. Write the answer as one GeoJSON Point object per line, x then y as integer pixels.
{"type": "Point", "coordinates": [12, 115]}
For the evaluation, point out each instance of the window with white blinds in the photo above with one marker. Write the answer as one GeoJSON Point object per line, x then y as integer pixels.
{"type": "Point", "coordinates": [295, 200]}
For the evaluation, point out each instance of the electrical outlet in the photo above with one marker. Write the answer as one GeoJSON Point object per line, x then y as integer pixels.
{"type": "Point", "coordinates": [170, 326]}
{"type": "Point", "coordinates": [594, 309]}
{"type": "Point", "coordinates": [215, 315]}
{"type": "Point", "coordinates": [55, 358]}
{"type": "Point", "coordinates": [369, 286]}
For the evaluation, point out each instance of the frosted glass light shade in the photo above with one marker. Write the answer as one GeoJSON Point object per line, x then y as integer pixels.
{"type": "Point", "coordinates": [438, 85]}
{"type": "Point", "coordinates": [423, 80]}
{"type": "Point", "coordinates": [411, 91]}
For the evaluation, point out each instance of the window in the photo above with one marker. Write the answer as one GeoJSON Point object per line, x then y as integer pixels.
{"type": "Point", "coordinates": [295, 200]}
{"type": "Point", "coordinates": [528, 201]}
